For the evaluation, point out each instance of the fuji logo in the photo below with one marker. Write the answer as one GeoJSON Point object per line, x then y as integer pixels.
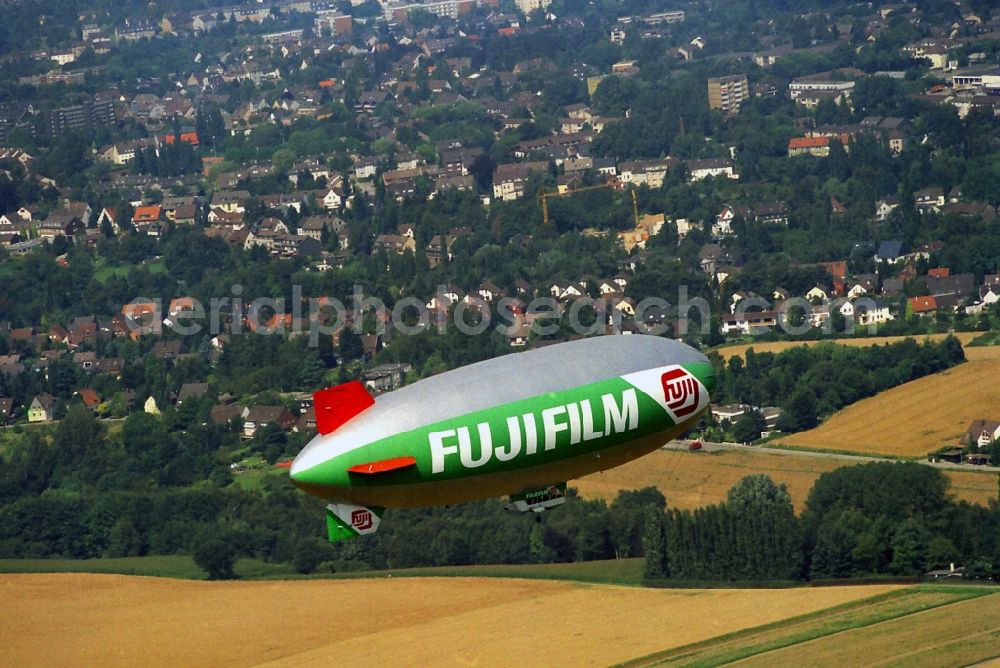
{"type": "Point", "coordinates": [681, 392]}
{"type": "Point", "coordinates": [361, 520]}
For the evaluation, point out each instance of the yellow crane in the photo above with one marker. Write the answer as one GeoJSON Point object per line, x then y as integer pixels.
{"type": "Point", "coordinates": [543, 199]}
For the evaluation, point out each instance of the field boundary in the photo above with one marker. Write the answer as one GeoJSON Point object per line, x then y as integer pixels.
{"type": "Point", "coordinates": [885, 620]}
{"type": "Point", "coordinates": [680, 653]}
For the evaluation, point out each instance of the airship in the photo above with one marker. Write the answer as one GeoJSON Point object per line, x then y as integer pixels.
{"type": "Point", "coordinates": [520, 425]}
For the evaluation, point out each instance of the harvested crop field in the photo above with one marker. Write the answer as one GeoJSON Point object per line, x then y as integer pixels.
{"type": "Point", "coordinates": [106, 620]}
{"type": "Point", "coordinates": [924, 625]}
{"type": "Point", "coordinates": [959, 634]}
{"type": "Point", "coordinates": [915, 418]}
{"type": "Point", "coordinates": [693, 479]}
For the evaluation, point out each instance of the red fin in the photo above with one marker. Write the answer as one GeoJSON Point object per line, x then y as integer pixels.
{"type": "Point", "coordinates": [371, 468]}
{"type": "Point", "coordinates": [336, 405]}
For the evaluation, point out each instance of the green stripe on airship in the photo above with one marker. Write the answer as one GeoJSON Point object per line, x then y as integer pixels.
{"type": "Point", "coordinates": [515, 435]}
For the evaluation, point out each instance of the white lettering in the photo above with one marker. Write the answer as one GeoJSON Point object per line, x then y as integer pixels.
{"type": "Point", "coordinates": [505, 454]}
{"type": "Point", "coordinates": [588, 421]}
{"type": "Point", "coordinates": [573, 410]}
{"type": "Point", "coordinates": [551, 427]}
{"type": "Point", "coordinates": [530, 434]}
{"type": "Point", "coordinates": [465, 446]}
{"type": "Point", "coordinates": [615, 417]}
{"type": "Point", "coordinates": [439, 450]}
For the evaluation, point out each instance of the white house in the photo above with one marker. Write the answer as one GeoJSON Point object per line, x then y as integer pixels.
{"type": "Point", "coordinates": [332, 199]}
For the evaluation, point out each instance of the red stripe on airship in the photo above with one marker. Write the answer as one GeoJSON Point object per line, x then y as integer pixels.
{"type": "Point", "coordinates": [371, 468]}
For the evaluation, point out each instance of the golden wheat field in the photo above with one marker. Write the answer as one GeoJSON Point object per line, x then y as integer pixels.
{"type": "Point", "coordinates": [692, 479]}
{"type": "Point", "coordinates": [115, 620]}
{"type": "Point", "coordinates": [917, 417]}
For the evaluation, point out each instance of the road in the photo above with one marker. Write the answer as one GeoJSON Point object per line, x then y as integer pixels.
{"type": "Point", "coordinates": [715, 447]}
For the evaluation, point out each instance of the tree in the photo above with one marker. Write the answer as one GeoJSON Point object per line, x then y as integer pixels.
{"type": "Point", "coordinates": [351, 347]}
{"type": "Point", "coordinates": [654, 544]}
{"type": "Point", "coordinates": [941, 552]}
{"type": "Point", "coordinates": [799, 413]}
{"type": "Point", "coordinates": [309, 553]}
{"type": "Point", "coordinates": [282, 159]}
{"type": "Point", "coordinates": [124, 540]}
{"type": "Point", "coordinates": [910, 548]}
{"type": "Point", "coordinates": [216, 556]}
{"type": "Point", "coordinates": [594, 541]}
{"type": "Point", "coordinates": [749, 426]}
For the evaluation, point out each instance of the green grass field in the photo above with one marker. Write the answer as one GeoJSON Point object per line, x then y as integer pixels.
{"type": "Point", "coordinates": [169, 566]}
{"type": "Point", "coordinates": [810, 638]}
{"type": "Point", "coordinates": [627, 572]}
{"type": "Point", "coordinates": [121, 271]}
{"type": "Point", "coordinates": [620, 571]}
{"type": "Point", "coordinates": [986, 339]}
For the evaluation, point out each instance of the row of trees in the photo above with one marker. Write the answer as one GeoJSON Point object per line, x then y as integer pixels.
{"type": "Point", "coordinates": [874, 519]}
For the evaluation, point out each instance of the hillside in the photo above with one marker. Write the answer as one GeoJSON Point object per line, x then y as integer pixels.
{"type": "Point", "coordinates": [917, 417]}
{"type": "Point", "coordinates": [692, 479]}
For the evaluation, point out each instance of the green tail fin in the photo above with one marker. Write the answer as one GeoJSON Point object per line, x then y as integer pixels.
{"type": "Point", "coordinates": [344, 520]}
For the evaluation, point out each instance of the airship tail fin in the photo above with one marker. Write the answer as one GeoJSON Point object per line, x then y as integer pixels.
{"type": "Point", "coordinates": [336, 405]}
{"type": "Point", "coordinates": [344, 520]}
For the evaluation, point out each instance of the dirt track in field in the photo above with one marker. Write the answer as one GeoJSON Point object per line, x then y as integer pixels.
{"type": "Point", "coordinates": [112, 620]}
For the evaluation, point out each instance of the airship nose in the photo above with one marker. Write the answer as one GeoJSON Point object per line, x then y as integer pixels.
{"type": "Point", "coordinates": [304, 470]}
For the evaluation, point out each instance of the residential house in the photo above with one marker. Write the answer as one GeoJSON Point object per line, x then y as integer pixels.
{"type": "Point", "coordinates": [970, 210]}
{"type": "Point", "coordinates": [921, 306]}
{"type": "Point", "coordinates": [385, 377]}
{"type": "Point", "coordinates": [509, 179]}
{"type": "Point", "coordinates": [723, 225]}
{"type": "Point", "coordinates": [313, 227]}
{"type": "Point", "coordinates": [61, 223]}
{"type": "Point", "coordinates": [884, 208]}
{"type": "Point", "coordinates": [42, 408]}
{"type": "Point", "coordinates": [191, 391]}
{"type": "Point", "coordinates": [929, 200]}
{"type": "Point", "coordinates": [261, 416]}
{"type": "Point", "coordinates": [108, 216]}
{"type": "Point", "coordinates": [816, 146]}
{"type": "Point", "coordinates": [230, 201]}
{"type": "Point", "coordinates": [746, 323]}
{"type": "Point", "coordinates": [167, 350]}
{"type": "Point", "coordinates": [185, 214]}
{"type": "Point", "coordinates": [981, 433]}
{"type": "Point", "coordinates": [90, 398]}
{"type": "Point", "coordinates": [872, 314]}
{"type": "Point", "coordinates": [333, 198]}
{"type": "Point", "coordinates": [393, 243]}
{"type": "Point", "coordinates": [146, 216]}
{"type": "Point", "coordinates": [889, 252]}
{"type": "Point", "coordinates": [701, 169]}
{"type": "Point", "coordinates": [225, 413]}
{"type": "Point", "coordinates": [645, 172]}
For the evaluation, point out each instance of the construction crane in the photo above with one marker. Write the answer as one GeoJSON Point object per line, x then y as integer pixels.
{"type": "Point", "coordinates": [543, 199]}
